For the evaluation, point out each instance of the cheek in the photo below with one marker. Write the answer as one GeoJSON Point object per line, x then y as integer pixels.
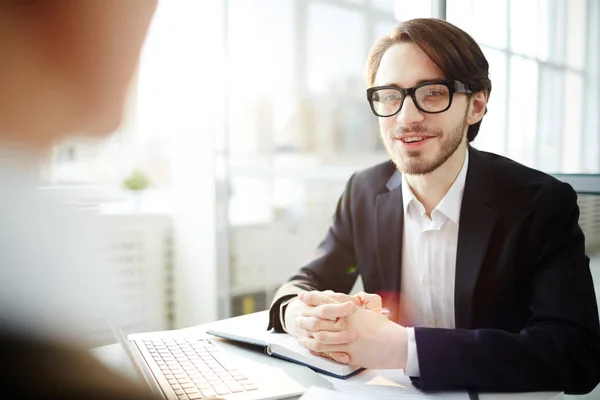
{"type": "Point", "coordinates": [386, 125]}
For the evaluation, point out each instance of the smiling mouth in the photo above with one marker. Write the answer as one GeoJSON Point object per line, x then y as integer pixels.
{"type": "Point", "coordinates": [413, 139]}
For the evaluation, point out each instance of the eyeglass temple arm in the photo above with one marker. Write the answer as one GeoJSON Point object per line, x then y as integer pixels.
{"type": "Point", "coordinates": [461, 87]}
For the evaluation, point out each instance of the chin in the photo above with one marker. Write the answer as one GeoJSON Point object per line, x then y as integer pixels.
{"type": "Point", "coordinates": [414, 165]}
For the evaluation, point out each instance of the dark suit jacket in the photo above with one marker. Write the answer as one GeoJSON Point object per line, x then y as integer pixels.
{"type": "Point", "coordinates": [525, 308]}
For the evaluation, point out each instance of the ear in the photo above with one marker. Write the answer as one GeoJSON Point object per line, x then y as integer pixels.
{"type": "Point", "coordinates": [477, 107]}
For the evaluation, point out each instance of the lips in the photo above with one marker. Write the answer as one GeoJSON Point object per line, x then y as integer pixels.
{"type": "Point", "coordinates": [412, 139]}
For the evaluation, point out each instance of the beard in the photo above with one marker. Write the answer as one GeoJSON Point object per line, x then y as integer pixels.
{"type": "Point", "coordinates": [416, 162]}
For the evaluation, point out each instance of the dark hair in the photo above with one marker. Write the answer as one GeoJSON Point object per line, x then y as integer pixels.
{"type": "Point", "coordinates": [449, 47]}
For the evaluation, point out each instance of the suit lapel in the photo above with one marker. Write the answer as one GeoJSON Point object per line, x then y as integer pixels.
{"type": "Point", "coordinates": [477, 221]}
{"type": "Point", "coordinates": [389, 220]}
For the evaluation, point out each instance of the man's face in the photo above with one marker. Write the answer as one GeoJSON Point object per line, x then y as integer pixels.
{"type": "Point", "coordinates": [439, 135]}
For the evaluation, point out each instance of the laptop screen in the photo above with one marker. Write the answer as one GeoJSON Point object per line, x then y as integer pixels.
{"type": "Point", "coordinates": [127, 365]}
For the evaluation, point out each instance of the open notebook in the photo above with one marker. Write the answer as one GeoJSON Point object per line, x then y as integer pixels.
{"type": "Point", "coordinates": [281, 345]}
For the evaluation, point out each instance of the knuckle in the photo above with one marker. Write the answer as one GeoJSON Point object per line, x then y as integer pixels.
{"type": "Point", "coordinates": [302, 323]}
{"type": "Point", "coordinates": [319, 336]}
{"type": "Point", "coordinates": [307, 310]}
{"type": "Point", "coordinates": [315, 345]}
{"type": "Point", "coordinates": [330, 311]}
{"type": "Point", "coordinates": [306, 299]}
{"type": "Point", "coordinates": [328, 338]}
{"type": "Point", "coordinates": [325, 310]}
{"type": "Point", "coordinates": [349, 336]}
{"type": "Point", "coordinates": [323, 300]}
{"type": "Point", "coordinates": [347, 308]}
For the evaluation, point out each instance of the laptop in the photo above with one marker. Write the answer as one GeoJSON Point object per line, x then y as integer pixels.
{"type": "Point", "coordinates": [185, 366]}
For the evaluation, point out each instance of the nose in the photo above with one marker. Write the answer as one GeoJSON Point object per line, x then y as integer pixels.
{"type": "Point", "coordinates": [409, 114]}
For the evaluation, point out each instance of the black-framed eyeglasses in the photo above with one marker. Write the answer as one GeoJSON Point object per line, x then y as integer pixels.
{"type": "Point", "coordinates": [430, 97]}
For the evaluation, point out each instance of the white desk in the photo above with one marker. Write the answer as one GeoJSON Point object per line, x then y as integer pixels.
{"type": "Point", "coordinates": [115, 357]}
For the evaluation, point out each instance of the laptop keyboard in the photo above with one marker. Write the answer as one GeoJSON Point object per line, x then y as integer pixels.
{"type": "Point", "coordinates": [197, 368]}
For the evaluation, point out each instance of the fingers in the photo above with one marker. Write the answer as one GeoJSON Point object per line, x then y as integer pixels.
{"type": "Point", "coordinates": [325, 342]}
{"type": "Point", "coordinates": [342, 297]}
{"type": "Point", "coordinates": [331, 311]}
{"type": "Point", "coordinates": [343, 337]}
{"type": "Point", "coordinates": [316, 298]}
{"type": "Point", "coordinates": [315, 324]}
{"type": "Point", "coordinates": [371, 301]}
{"type": "Point", "coordinates": [342, 358]}
{"type": "Point", "coordinates": [325, 307]}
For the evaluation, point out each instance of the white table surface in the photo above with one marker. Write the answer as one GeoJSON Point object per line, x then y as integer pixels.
{"type": "Point", "coordinates": [115, 357]}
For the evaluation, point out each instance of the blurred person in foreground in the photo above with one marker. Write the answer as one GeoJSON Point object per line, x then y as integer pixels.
{"type": "Point", "coordinates": [65, 67]}
{"type": "Point", "coordinates": [479, 259]}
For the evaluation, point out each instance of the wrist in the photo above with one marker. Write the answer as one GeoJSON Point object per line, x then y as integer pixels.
{"type": "Point", "coordinates": [289, 315]}
{"type": "Point", "coordinates": [396, 337]}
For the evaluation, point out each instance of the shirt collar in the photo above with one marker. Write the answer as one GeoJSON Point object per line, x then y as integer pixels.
{"type": "Point", "coordinates": [407, 194]}
{"type": "Point", "coordinates": [450, 204]}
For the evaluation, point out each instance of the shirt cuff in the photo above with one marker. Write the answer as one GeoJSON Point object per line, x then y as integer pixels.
{"type": "Point", "coordinates": [282, 308]}
{"type": "Point", "coordinates": [412, 359]}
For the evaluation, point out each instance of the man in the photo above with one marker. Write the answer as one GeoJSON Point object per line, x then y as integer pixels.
{"type": "Point", "coordinates": [480, 260]}
{"type": "Point", "coordinates": [65, 68]}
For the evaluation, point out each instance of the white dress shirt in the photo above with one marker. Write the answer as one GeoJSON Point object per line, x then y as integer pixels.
{"type": "Point", "coordinates": [429, 262]}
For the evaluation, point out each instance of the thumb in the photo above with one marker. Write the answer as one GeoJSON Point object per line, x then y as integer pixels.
{"type": "Point", "coordinates": [342, 358]}
{"type": "Point", "coordinates": [370, 301]}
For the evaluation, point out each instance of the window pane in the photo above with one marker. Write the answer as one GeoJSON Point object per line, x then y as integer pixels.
{"type": "Point", "coordinates": [591, 144]}
{"type": "Point", "coordinates": [474, 17]}
{"type": "Point", "coordinates": [550, 119]}
{"type": "Point", "coordinates": [384, 5]}
{"type": "Point", "coordinates": [545, 29]}
{"type": "Point", "coordinates": [491, 136]}
{"type": "Point", "coordinates": [591, 127]}
{"type": "Point", "coordinates": [261, 38]}
{"type": "Point", "coordinates": [571, 135]}
{"type": "Point", "coordinates": [524, 28]}
{"type": "Point", "coordinates": [261, 72]}
{"type": "Point", "coordinates": [336, 81]}
{"type": "Point", "coordinates": [250, 197]}
{"type": "Point", "coordinates": [575, 35]}
{"type": "Point", "coordinates": [329, 62]}
{"type": "Point", "coordinates": [551, 30]}
{"type": "Point", "coordinates": [382, 29]}
{"type": "Point", "coordinates": [523, 107]}
{"type": "Point", "coordinates": [409, 9]}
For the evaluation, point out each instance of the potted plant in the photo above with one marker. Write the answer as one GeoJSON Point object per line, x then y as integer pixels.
{"type": "Point", "coordinates": [137, 182]}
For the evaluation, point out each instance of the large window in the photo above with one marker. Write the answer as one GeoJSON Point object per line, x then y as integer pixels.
{"type": "Point", "coordinates": [298, 126]}
{"type": "Point", "coordinates": [277, 87]}
{"type": "Point", "coordinates": [543, 58]}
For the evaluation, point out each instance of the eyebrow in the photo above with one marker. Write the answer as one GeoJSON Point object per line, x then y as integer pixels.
{"type": "Point", "coordinates": [420, 81]}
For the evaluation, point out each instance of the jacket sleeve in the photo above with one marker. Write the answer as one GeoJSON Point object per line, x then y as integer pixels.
{"type": "Point", "coordinates": [558, 349]}
{"type": "Point", "coordinates": [334, 264]}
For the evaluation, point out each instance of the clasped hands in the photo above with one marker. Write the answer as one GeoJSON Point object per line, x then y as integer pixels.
{"type": "Point", "coordinates": [348, 329]}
